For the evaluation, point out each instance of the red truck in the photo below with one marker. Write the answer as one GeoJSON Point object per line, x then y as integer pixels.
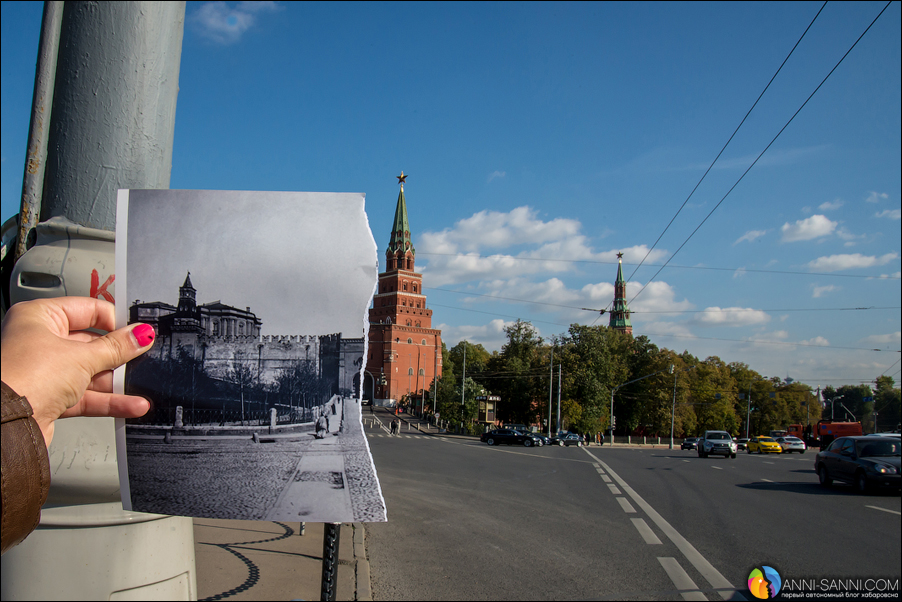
{"type": "Point", "coordinates": [824, 432]}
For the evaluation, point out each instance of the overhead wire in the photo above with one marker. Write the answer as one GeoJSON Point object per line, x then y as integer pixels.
{"type": "Point", "coordinates": [733, 187]}
{"type": "Point", "coordinates": [733, 135]}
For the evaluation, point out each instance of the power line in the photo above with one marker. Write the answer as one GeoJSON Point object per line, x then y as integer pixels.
{"type": "Point", "coordinates": [675, 311]}
{"type": "Point", "coordinates": [656, 265]}
{"type": "Point", "coordinates": [679, 336]}
{"type": "Point", "coordinates": [763, 151]}
{"type": "Point", "coordinates": [728, 141]}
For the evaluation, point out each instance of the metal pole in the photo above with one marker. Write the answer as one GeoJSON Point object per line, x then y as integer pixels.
{"type": "Point", "coordinates": [38, 129]}
{"type": "Point", "coordinates": [559, 397]}
{"type": "Point", "coordinates": [550, 390]}
{"type": "Point", "coordinates": [673, 407]}
{"type": "Point", "coordinates": [331, 537]}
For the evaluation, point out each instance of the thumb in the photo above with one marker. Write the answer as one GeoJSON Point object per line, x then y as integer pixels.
{"type": "Point", "coordinates": [119, 346]}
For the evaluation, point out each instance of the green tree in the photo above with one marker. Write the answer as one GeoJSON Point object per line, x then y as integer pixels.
{"type": "Point", "coordinates": [594, 362]}
{"type": "Point", "coordinates": [518, 374]}
{"type": "Point", "coordinates": [887, 402]}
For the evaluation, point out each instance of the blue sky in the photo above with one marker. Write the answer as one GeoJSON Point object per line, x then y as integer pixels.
{"type": "Point", "coordinates": [541, 139]}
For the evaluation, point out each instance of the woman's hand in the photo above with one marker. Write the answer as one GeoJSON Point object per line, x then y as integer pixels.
{"type": "Point", "coordinates": [63, 370]}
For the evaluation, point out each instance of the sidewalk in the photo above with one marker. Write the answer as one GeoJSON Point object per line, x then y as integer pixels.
{"type": "Point", "coordinates": [257, 560]}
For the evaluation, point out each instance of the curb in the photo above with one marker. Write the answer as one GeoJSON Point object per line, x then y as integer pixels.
{"type": "Point", "coordinates": [363, 588]}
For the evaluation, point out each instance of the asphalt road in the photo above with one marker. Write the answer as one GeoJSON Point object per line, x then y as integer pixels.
{"type": "Point", "coordinates": [467, 521]}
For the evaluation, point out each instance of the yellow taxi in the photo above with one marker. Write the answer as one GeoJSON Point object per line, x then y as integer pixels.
{"type": "Point", "coordinates": [763, 445]}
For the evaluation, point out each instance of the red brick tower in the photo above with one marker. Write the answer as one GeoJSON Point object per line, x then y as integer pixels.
{"type": "Point", "coordinates": [403, 346]}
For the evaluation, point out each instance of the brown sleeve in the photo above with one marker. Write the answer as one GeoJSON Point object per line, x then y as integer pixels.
{"type": "Point", "coordinates": [26, 469]}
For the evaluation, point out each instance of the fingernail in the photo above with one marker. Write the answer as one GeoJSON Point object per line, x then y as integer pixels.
{"type": "Point", "coordinates": [144, 334]}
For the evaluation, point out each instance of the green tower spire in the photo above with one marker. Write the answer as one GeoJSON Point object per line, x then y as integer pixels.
{"type": "Point", "coordinates": [400, 242]}
{"type": "Point", "coordinates": [620, 311]}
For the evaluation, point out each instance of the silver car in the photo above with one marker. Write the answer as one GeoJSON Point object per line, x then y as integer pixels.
{"type": "Point", "coordinates": [791, 444]}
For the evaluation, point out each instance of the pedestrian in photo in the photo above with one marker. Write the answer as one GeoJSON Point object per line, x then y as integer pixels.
{"type": "Point", "coordinates": [322, 425]}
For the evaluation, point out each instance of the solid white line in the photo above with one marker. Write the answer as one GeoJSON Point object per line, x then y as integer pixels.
{"type": "Point", "coordinates": [625, 504]}
{"type": "Point", "coordinates": [613, 488]}
{"type": "Point", "coordinates": [726, 590]}
{"type": "Point", "coordinates": [645, 531]}
{"type": "Point", "coordinates": [884, 509]}
{"type": "Point", "coordinates": [681, 579]}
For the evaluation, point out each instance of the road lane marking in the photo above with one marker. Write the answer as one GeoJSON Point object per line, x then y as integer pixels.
{"type": "Point", "coordinates": [717, 581]}
{"type": "Point", "coordinates": [600, 470]}
{"type": "Point", "coordinates": [884, 509]}
{"type": "Point", "coordinates": [625, 504]}
{"type": "Point", "coordinates": [767, 480]}
{"type": "Point", "coordinates": [613, 488]}
{"type": "Point", "coordinates": [685, 460]}
{"type": "Point", "coordinates": [645, 531]}
{"type": "Point", "coordinates": [768, 462]}
{"type": "Point", "coordinates": [681, 579]}
{"type": "Point", "coordinates": [605, 478]}
{"type": "Point", "coordinates": [596, 465]}
{"type": "Point", "coordinates": [717, 468]}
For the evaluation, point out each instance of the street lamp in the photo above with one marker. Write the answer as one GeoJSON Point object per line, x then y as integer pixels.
{"type": "Point", "coordinates": [673, 407]}
{"type": "Point", "coordinates": [615, 389]}
{"type": "Point", "coordinates": [748, 411]}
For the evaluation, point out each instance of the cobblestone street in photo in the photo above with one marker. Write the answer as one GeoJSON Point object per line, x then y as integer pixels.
{"type": "Point", "coordinates": [226, 478]}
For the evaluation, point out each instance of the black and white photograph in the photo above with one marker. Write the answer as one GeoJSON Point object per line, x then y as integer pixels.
{"type": "Point", "coordinates": [258, 301]}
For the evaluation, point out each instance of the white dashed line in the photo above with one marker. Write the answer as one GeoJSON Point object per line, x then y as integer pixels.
{"type": "Point", "coordinates": [767, 480]}
{"type": "Point", "coordinates": [625, 504]}
{"type": "Point", "coordinates": [884, 509]}
{"type": "Point", "coordinates": [645, 531]}
{"type": "Point", "coordinates": [613, 488]}
{"type": "Point", "coordinates": [717, 468]}
{"type": "Point", "coordinates": [681, 579]}
{"type": "Point", "coordinates": [605, 478]}
{"type": "Point", "coordinates": [717, 581]}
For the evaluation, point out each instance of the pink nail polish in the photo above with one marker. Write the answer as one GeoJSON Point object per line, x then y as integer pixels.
{"type": "Point", "coordinates": [144, 334]}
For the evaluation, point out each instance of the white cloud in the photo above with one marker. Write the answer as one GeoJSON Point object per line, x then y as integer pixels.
{"type": "Point", "coordinates": [893, 275]}
{"type": "Point", "coordinates": [225, 23]}
{"type": "Point", "coordinates": [731, 316]}
{"type": "Point", "coordinates": [455, 254]}
{"type": "Point", "coordinates": [494, 229]}
{"type": "Point", "coordinates": [496, 174]}
{"type": "Point", "coordinates": [750, 236]}
{"type": "Point", "coordinates": [491, 335]}
{"type": "Point", "coordinates": [808, 228]}
{"type": "Point", "coordinates": [835, 263]}
{"type": "Point", "coordinates": [893, 338]}
{"type": "Point", "coordinates": [817, 341]}
{"type": "Point", "coordinates": [890, 213]}
{"type": "Point", "coordinates": [828, 206]}
{"type": "Point", "coordinates": [820, 291]}
{"type": "Point", "coordinates": [876, 197]}
{"type": "Point", "coordinates": [739, 273]}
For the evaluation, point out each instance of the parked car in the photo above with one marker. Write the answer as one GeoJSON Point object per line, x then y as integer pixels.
{"type": "Point", "coordinates": [716, 443]}
{"type": "Point", "coordinates": [542, 438]}
{"type": "Point", "coordinates": [567, 439]}
{"type": "Point", "coordinates": [689, 443]}
{"type": "Point", "coordinates": [763, 445]}
{"type": "Point", "coordinates": [865, 461]}
{"type": "Point", "coordinates": [791, 444]}
{"type": "Point", "coordinates": [509, 437]}
{"type": "Point", "coordinates": [742, 443]}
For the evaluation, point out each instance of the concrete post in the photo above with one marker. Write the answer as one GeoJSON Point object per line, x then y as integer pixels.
{"type": "Point", "coordinates": [111, 126]}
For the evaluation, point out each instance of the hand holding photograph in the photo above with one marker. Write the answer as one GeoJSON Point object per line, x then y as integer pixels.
{"type": "Point", "coordinates": [259, 305]}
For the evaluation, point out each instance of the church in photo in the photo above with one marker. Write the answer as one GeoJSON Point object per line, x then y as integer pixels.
{"type": "Point", "coordinates": [404, 353]}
